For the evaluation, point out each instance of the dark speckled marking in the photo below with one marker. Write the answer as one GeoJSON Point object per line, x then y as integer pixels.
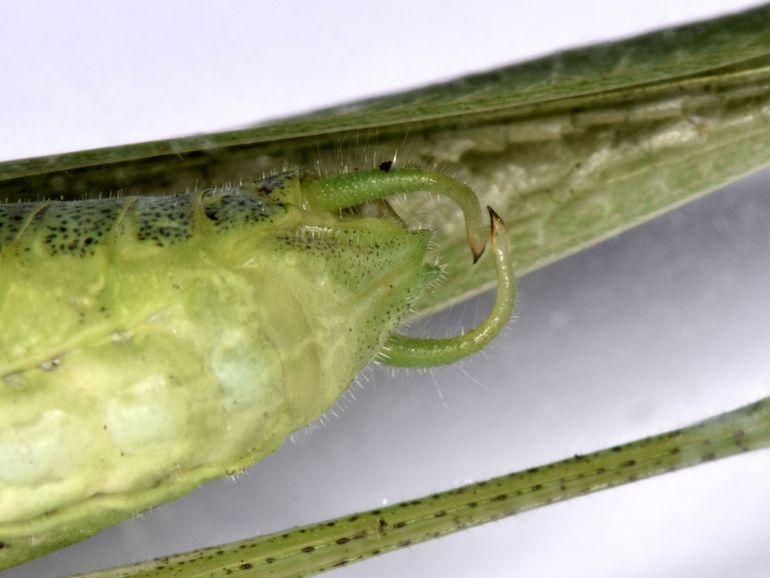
{"type": "Point", "coordinates": [273, 182]}
{"type": "Point", "coordinates": [73, 228]}
{"type": "Point", "coordinates": [12, 218]}
{"type": "Point", "coordinates": [228, 208]}
{"type": "Point", "coordinates": [164, 220]}
{"type": "Point", "coordinates": [78, 227]}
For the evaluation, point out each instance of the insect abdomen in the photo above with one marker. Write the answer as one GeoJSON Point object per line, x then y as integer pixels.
{"type": "Point", "coordinates": [150, 344]}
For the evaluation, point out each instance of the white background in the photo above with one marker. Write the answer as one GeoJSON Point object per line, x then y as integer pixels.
{"type": "Point", "coordinates": [660, 327]}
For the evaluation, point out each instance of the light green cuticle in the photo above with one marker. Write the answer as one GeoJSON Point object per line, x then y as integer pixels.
{"type": "Point", "coordinates": [248, 310]}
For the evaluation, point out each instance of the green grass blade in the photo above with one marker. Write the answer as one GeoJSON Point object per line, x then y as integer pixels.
{"type": "Point", "coordinates": [736, 43]}
{"type": "Point", "coordinates": [337, 543]}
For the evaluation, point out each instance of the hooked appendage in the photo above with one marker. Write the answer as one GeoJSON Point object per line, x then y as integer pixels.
{"type": "Point", "coordinates": [350, 190]}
